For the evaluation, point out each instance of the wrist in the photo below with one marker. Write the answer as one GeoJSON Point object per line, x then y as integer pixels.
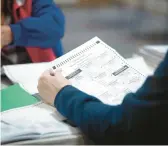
{"type": "Point", "coordinates": [63, 85]}
{"type": "Point", "coordinates": [10, 35]}
{"type": "Point", "coordinates": [7, 35]}
{"type": "Point", "coordinates": [60, 92]}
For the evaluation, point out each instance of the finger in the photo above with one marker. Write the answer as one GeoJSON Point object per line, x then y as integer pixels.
{"type": "Point", "coordinates": [46, 73]}
{"type": "Point", "coordinates": [39, 83]}
{"type": "Point", "coordinates": [38, 88]}
{"type": "Point", "coordinates": [52, 72]}
{"type": "Point", "coordinates": [58, 70]}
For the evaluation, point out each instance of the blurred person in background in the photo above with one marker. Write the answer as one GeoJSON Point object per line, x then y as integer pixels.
{"type": "Point", "coordinates": [31, 31]}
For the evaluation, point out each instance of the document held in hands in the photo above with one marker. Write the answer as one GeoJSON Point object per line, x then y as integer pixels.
{"type": "Point", "coordinates": [93, 67]}
{"type": "Point", "coordinates": [99, 70]}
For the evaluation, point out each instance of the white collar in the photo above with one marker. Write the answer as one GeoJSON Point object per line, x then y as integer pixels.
{"type": "Point", "coordinates": [20, 2]}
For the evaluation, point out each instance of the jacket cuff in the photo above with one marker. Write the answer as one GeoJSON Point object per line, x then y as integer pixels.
{"type": "Point", "coordinates": [61, 93]}
{"type": "Point", "coordinates": [16, 30]}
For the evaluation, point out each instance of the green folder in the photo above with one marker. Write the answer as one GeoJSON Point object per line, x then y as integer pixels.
{"type": "Point", "coordinates": [15, 97]}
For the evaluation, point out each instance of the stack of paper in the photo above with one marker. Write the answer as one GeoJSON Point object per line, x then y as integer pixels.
{"type": "Point", "coordinates": [23, 117]}
{"type": "Point", "coordinates": [142, 66]}
{"type": "Point", "coordinates": [26, 75]}
{"type": "Point", "coordinates": [154, 54]}
{"type": "Point", "coordinates": [31, 123]}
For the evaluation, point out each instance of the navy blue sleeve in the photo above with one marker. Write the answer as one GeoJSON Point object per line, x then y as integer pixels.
{"type": "Point", "coordinates": [99, 120]}
{"type": "Point", "coordinates": [43, 29]}
{"type": "Point", "coordinates": [87, 112]}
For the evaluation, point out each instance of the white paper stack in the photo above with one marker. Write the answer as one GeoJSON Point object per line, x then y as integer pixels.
{"type": "Point", "coordinates": [142, 66]}
{"type": "Point", "coordinates": [153, 54]}
{"type": "Point", "coordinates": [33, 122]}
{"type": "Point", "coordinates": [26, 75]}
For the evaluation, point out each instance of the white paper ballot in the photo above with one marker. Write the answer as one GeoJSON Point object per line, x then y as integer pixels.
{"type": "Point", "coordinates": [93, 67]}
{"type": "Point", "coordinates": [99, 70]}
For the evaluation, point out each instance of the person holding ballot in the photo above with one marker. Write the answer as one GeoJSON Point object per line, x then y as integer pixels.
{"type": "Point", "coordinates": [142, 117]}
{"type": "Point", "coordinates": [31, 31]}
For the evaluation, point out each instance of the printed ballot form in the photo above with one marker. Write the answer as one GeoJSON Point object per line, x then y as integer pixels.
{"type": "Point", "coordinates": [93, 67]}
{"type": "Point", "coordinates": [99, 70]}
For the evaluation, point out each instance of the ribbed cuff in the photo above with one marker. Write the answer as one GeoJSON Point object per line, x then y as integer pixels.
{"type": "Point", "coordinates": [60, 93]}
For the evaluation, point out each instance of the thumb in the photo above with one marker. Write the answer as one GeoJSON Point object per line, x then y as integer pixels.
{"type": "Point", "coordinates": [46, 73]}
{"type": "Point", "coordinates": [52, 72]}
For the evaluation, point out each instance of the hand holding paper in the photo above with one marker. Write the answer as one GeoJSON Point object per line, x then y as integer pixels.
{"type": "Point", "coordinates": [49, 84]}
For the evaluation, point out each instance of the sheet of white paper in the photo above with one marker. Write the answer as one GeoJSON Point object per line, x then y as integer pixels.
{"type": "Point", "coordinates": [25, 73]}
{"type": "Point", "coordinates": [139, 64]}
{"type": "Point", "coordinates": [99, 70]}
{"type": "Point", "coordinates": [10, 132]}
{"type": "Point", "coordinates": [30, 87]}
{"type": "Point", "coordinates": [157, 48]}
